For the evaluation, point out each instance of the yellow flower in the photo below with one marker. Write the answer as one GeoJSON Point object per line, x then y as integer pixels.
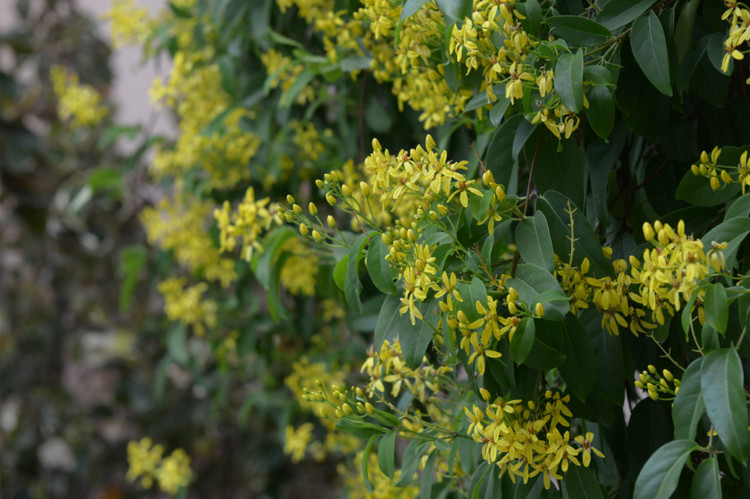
{"type": "Point", "coordinates": [585, 443]}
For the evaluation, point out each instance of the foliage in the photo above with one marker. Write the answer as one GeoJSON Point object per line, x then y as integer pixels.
{"type": "Point", "coordinates": [530, 226]}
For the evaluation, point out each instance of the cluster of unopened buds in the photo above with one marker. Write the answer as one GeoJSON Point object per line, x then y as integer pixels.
{"type": "Point", "coordinates": [658, 387]}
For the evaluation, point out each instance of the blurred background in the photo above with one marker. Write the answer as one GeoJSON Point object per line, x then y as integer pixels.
{"type": "Point", "coordinates": [83, 367]}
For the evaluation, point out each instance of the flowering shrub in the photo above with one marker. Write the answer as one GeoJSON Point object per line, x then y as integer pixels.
{"type": "Point", "coordinates": [494, 207]}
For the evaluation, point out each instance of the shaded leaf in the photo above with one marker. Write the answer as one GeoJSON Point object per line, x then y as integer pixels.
{"type": "Point", "coordinates": [650, 51]}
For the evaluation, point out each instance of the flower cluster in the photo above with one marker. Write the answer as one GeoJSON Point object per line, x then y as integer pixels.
{"type": "Point", "coordinates": [664, 387]}
{"type": "Point", "coordinates": [188, 305]}
{"type": "Point", "coordinates": [248, 223]}
{"type": "Point", "coordinates": [720, 175]}
{"type": "Point", "coordinates": [147, 464]}
{"type": "Point", "coordinates": [129, 24]}
{"type": "Point", "coordinates": [738, 17]}
{"type": "Point", "coordinates": [81, 104]}
{"type": "Point", "coordinates": [525, 440]}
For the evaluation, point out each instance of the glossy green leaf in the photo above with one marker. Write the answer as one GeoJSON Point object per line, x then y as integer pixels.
{"type": "Point", "coordinates": [716, 307]}
{"type": "Point", "coordinates": [660, 474]}
{"type": "Point", "coordinates": [723, 393]}
{"type": "Point", "coordinates": [339, 272]}
{"type": "Point", "coordinates": [428, 476]}
{"type": "Point", "coordinates": [559, 166]}
{"type": "Point", "coordinates": [650, 51]}
{"type": "Point", "coordinates": [365, 462]}
{"type": "Point", "coordinates": [740, 208]}
{"type": "Point", "coordinates": [410, 8]}
{"type": "Point", "coordinates": [569, 80]}
{"type": "Point", "coordinates": [707, 480]}
{"type": "Point", "coordinates": [726, 231]}
{"type": "Point", "coordinates": [410, 461]}
{"type": "Point", "coordinates": [601, 111]}
{"type": "Point", "coordinates": [389, 322]}
{"type": "Point", "coordinates": [499, 157]}
{"type": "Point", "coordinates": [386, 454]}
{"type": "Point", "coordinates": [618, 13]}
{"type": "Point", "coordinates": [580, 483]}
{"type": "Point", "coordinates": [497, 113]}
{"type": "Point", "coordinates": [522, 341]}
{"type": "Point", "coordinates": [455, 9]}
{"type": "Point", "coordinates": [378, 267]}
{"type": "Point", "coordinates": [688, 405]}
{"type": "Point", "coordinates": [534, 242]}
{"type": "Point", "coordinates": [531, 281]}
{"type": "Point", "coordinates": [683, 35]}
{"type": "Point", "coordinates": [352, 285]}
{"type": "Point", "coordinates": [414, 339]}
{"type": "Point", "coordinates": [533, 15]}
{"type": "Point", "coordinates": [579, 368]}
{"type": "Point", "coordinates": [262, 263]}
{"type": "Point", "coordinates": [578, 30]}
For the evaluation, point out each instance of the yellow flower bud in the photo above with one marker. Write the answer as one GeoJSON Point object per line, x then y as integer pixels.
{"type": "Point", "coordinates": [320, 184]}
{"type": "Point", "coordinates": [715, 184]}
{"type": "Point", "coordinates": [359, 392]}
{"type": "Point", "coordinates": [652, 369]}
{"type": "Point", "coordinates": [317, 237]}
{"type": "Point", "coordinates": [347, 409]}
{"type": "Point", "coordinates": [376, 145]}
{"type": "Point", "coordinates": [640, 384]}
{"type": "Point", "coordinates": [331, 199]}
{"type": "Point", "coordinates": [297, 209]}
{"type": "Point", "coordinates": [484, 393]}
{"type": "Point", "coordinates": [346, 191]}
{"type": "Point", "coordinates": [695, 169]}
{"type": "Point", "coordinates": [331, 221]}
{"type": "Point", "coordinates": [369, 408]}
{"type": "Point", "coordinates": [386, 239]}
{"type": "Point", "coordinates": [365, 188]}
{"type": "Point", "coordinates": [725, 177]}
{"type": "Point", "coordinates": [290, 199]}
{"type": "Point", "coordinates": [312, 209]}
{"type": "Point", "coordinates": [442, 209]}
{"type": "Point", "coordinates": [488, 178]}
{"type": "Point", "coordinates": [648, 231]}
{"type": "Point", "coordinates": [303, 229]}
{"type": "Point", "coordinates": [430, 142]}
{"type": "Point", "coordinates": [653, 395]}
{"type": "Point", "coordinates": [539, 309]}
{"type": "Point", "coordinates": [667, 375]}
{"type": "Point", "coordinates": [499, 192]}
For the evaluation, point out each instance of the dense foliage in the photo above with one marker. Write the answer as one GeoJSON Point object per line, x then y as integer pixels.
{"type": "Point", "coordinates": [459, 230]}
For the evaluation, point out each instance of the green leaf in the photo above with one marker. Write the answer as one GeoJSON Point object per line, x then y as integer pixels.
{"type": "Point", "coordinates": [534, 242]}
{"type": "Point", "coordinates": [688, 405]}
{"type": "Point", "coordinates": [650, 50]}
{"type": "Point", "coordinates": [558, 170]}
{"type": "Point", "coordinates": [726, 231]}
{"type": "Point", "coordinates": [706, 481]}
{"type": "Point", "coordinates": [533, 15]}
{"type": "Point", "coordinates": [410, 461]}
{"type": "Point", "coordinates": [428, 476]}
{"type": "Point", "coordinates": [360, 429]}
{"type": "Point", "coordinates": [455, 9]}
{"type": "Point", "coordinates": [498, 109]}
{"type": "Point", "coordinates": [687, 311]}
{"type": "Point", "coordinates": [414, 339]}
{"type": "Point", "coordinates": [389, 322]}
{"type": "Point", "coordinates": [683, 35]}
{"type": "Point", "coordinates": [352, 285]}
{"type": "Point", "coordinates": [724, 396]}
{"type": "Point", "coordinates": [601, 110]}
{"type": "Point", "coordinates": [132, 260]}
{"type": "Point", "coordinates": [740, 208]}
{"type": "Point", "coordinates": [304, 79]}
{"type": "Point", "coordinates": [177, 344]}
{"type": "Point", "coordinates": [618, 13]}
{"type": "Point", "coordinates": [386, 454]}
{"type": "Point", "coordinates": [555, 205]}
{"type": "Point", "coordinates": [716, 307]}
{"type": "Point", "coordinates": [569, 80]}
{"type": "Point", "coordinates": [499, 156]}
{"type": "Point", "coordinates": [106, 178]}
{"type": "Point", "coordinates": [578, 30]}
{"type": "Point", "coordinates": [660, 474]}
{"type": "Point", "coordinates": [339, 272]}
{"type": "Point", "coordinates": [263, 261]}
{"type": "Point", "coordinates": [365, 462]}
{"type": "Point", "coordinates": [542, 356]}
{"type": "Point", "coordinates": [580, 483]}
{"type": "Point", "coordinates": [410, 8]}
{"type": "Point", "coordinates": [378, 267]}
{"type": "Point", "coordinates": [531, 281]}
{"type": "Point", "coordinates": [579, 368]}
{"type": "Point", "coordinates": [523, 340]}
